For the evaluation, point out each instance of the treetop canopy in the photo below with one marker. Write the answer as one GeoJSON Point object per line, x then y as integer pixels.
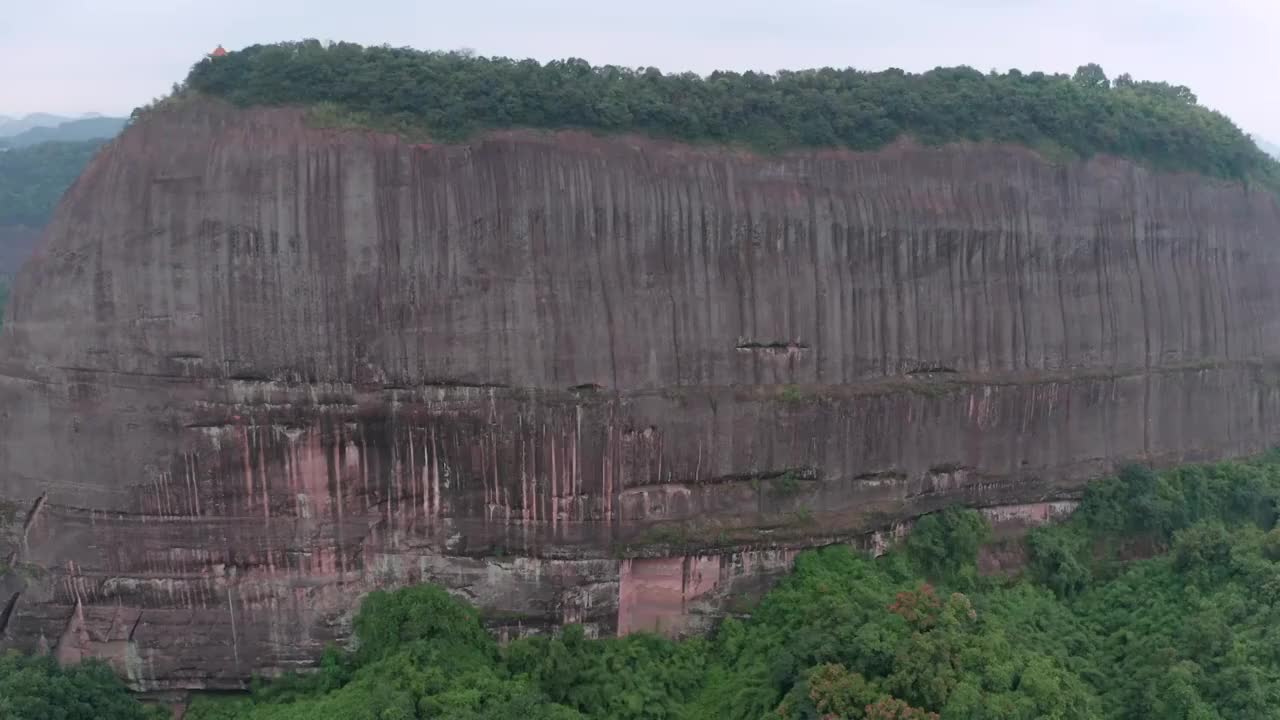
{"type": "Point", "coordinates": [452, 95]}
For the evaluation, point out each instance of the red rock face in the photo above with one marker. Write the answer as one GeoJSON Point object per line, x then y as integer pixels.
{"type": "Point", "coordinates": [256, 370]}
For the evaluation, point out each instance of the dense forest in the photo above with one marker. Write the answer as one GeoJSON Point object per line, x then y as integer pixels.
{"type": "Point", "coordinates": [452, 95]}
{"type": "Point", "coordinates": [1160, 598]}
{"type": "Point", "coordinates": [32, 179]}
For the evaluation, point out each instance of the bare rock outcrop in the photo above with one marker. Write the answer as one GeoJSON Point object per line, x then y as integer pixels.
{"type": "Point", "coordinates": [257, 369]}
{"type": "Point", "coordinates": [16, 242]}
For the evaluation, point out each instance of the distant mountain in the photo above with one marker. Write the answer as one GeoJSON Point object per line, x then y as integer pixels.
{"type": "Point", "coordinates": [41, 156]}
{"type": "Point", "coordinates": [1269, 148]}
{"type": "Point", "coordinates": [11, 126]}
{"type": "Point", "coordinates": [32, 179]}
{"type": "Point", "coordinates": [68, 131]}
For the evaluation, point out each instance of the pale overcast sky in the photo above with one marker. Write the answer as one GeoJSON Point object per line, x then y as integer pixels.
{"type": "Point", "coordinates": [111, 55]}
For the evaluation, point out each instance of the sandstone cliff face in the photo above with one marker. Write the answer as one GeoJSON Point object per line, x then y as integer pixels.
{"type": "Point", "coordinates": [258, 369]}
{"type": "Point", "coordinates": [16, 242]}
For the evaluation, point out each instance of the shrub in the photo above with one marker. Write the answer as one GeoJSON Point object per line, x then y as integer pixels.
{"type": "Point", "coordinates": [944, 545]}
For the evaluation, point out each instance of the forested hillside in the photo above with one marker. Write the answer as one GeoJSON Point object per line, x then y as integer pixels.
{"type": "Point", "coordinates": [32, 179]}
{"type": "Point", "coordinates": [10, 126]}
{"type": "Point", "coordinates": [451, 95]}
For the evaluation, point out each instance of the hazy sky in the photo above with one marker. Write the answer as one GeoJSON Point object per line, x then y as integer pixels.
{"type": "Point", "coordinates": [94, 55]}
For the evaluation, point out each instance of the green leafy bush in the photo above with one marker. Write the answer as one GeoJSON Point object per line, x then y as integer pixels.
{"type": "Point", "coordinates": [944, 545]}
{"type": "Point", "coordinates": [33, 688]}
{"type": "Point", "coordinates": [1059, 559]}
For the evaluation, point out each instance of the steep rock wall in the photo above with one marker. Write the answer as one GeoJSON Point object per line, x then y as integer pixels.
{"type": "Point", "coordinates": [16, 243]}
{"type": "Point", "coordinates": [257, 369]}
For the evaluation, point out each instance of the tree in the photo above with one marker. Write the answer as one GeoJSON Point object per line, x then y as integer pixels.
{"type": "Point", "coordinates": [38, 688]}
{"type": "Point", "coordinates": [836, 692]}
{"type": "Point", "coordinates": [945, 544]}
{"type": "Point", "coordinates": [1058, 559]}
{"type": "Point", "coordinates": [1203, 553]}
{"type": "Point", "coordinates": [891, 708]}
{"type": "Point", "coordinates": [1092, 76]}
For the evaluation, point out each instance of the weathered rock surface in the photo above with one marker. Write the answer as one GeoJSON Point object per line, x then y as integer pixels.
{"type": "Point", "coordinates": [16, 243]}
{"type": "Point", "coordinates": [257, 369]}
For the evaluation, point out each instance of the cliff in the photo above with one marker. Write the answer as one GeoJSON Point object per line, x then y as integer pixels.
{"type": "Point", "coordinates": [16, 242]}
{"type": "Point", "coordinates": [257, 369]}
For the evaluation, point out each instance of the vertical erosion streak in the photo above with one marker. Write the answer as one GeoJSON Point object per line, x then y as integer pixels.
{"type": "Point", "coordinates": [32, 515]}
{"type": "Point", "coordinates": [8, 612]}
{"type": "Point", "coordinates": [595, 233]}
{"type": "Point", "coordinates": [818, 290]}
{"type": "Point", "coordinates": [333, 463]}
{"type": "Point", "coordinates": [683, 229]}
{"type": "Point", "coordinates": [1138, 238]}
{"type": "Point", "coordinates": [1103, 295]}
{"type": "Point", "coordinates": [1060, 265]}
{"type": "Point", "coordinates": [235, 633]}
{"type": "Point", "coordinates": [435, 475]}
{"type": "Point", "coordinates": [1224, 267]}
{"type": "Point", "coordinates": [1024, 276]}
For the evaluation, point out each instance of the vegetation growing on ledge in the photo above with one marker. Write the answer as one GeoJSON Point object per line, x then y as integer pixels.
{"type": "Point", "coordinates": [452, 95]}
{"type": "Point", "coordinates": [1189, 633]}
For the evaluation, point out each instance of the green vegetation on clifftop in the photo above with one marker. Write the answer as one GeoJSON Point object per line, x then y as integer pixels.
{"type": "Point", "coordinates": [452, 95]}
{"type": "Point", "coordinates": [1193, 632]}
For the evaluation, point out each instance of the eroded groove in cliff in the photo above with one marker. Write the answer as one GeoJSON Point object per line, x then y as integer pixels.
{"type": "Point", "coordinates": [125, 373]}
{"type": "Point", "coordinates": [136, 622]}
{"type": "Point", "coordinates": [463, 384]}
{"type": "Point", "coordinates": [36, 508]}
{"type": "Point", "coordinates": [933, 370]}
{"type": "Point", "coordinates": [249, 377]}
{"type": "Point", "coordinates": [775, 346]}
{"type": "Point", "coordinates": [808, 474]}
{"type": "Point", "coordinates": [7, 613]}
{"type": "Point", "coordinates": [891, 475]}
